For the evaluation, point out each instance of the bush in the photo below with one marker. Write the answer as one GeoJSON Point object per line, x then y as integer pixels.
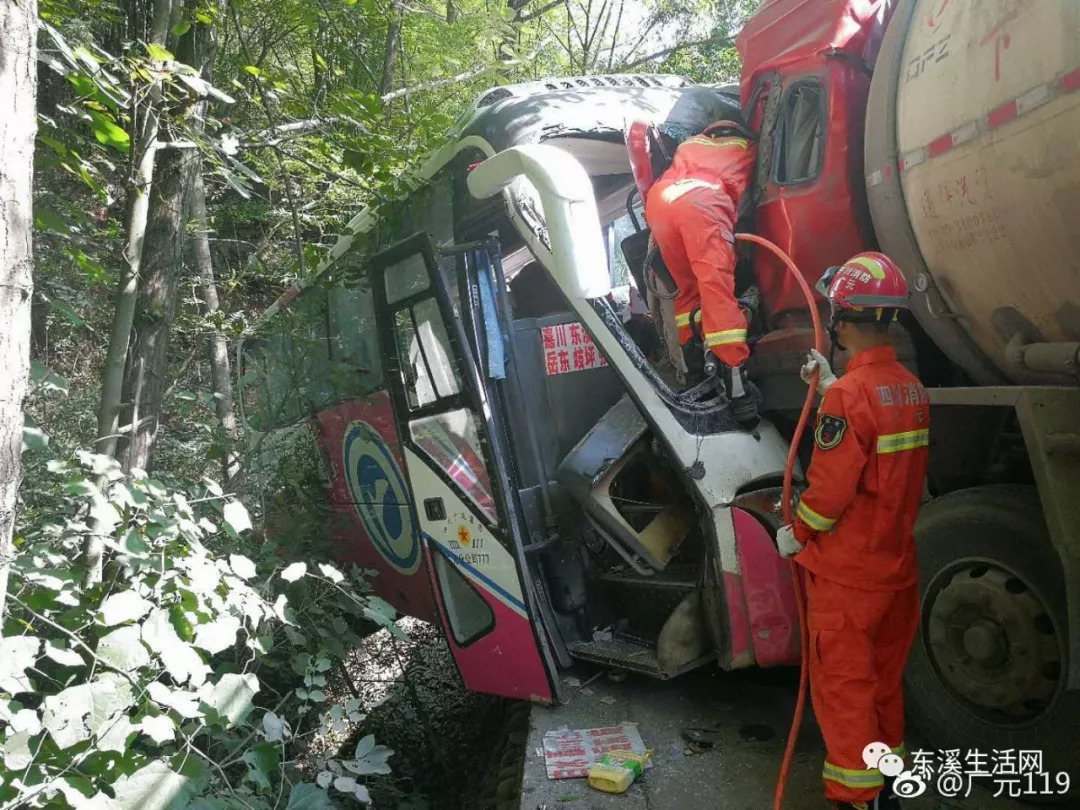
{"type": "Point", "coordinates": [192, 676]}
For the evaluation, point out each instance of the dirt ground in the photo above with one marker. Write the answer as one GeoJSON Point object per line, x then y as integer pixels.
{"type": "Point", "coordinates": [738, 773]}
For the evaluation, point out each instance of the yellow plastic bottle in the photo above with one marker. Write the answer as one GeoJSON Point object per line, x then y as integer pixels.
{"type": "Point", "coordinates": [617, 771]}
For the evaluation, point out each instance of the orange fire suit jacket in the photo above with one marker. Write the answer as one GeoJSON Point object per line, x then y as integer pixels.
{"type": "Point", "coordinates": [714, 161]}
{"type": "Point", "coordinates": [866, 476]}
{"type": "Point", "coordinates": [691, 210]}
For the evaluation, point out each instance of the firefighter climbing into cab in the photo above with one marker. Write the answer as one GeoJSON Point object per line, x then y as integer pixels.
{"type": "Point", "coordinates": [852, 533]}
{"type": "Point", "coordinates": [691, 211]}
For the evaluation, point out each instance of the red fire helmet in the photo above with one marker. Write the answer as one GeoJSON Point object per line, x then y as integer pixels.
{"type": "Point", "coordinates": [866, 281]}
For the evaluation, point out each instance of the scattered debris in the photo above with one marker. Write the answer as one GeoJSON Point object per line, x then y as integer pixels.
{"type": "Point", "coordinates": [756, 732]}
{"type": "Point", "coordinates": [618, 770]}
{"type": "Point", "coordinates": [608, 700]}
{"type": "Point", "coordinates": [703, 738]}
{"type": "Point", "coordinates": [677, 751]}
{"type": "Point", "coordinates": [587, 691]}
{"type": "Point", "coordinates": [569, 754]}
{"type": "Point", "coordinates": [602, 635]}
{"type": "Point", "coordinates": [573, 683]}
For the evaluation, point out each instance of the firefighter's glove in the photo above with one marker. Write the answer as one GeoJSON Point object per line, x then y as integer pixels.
{"type": "Point", "coordinates": [786, 542]}
{"type": "Point", "coordinates": [815, 360]}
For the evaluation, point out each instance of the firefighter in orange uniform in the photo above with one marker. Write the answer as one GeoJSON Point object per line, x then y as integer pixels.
{"type": "Point", "coordinates": [691, 211]}
{"type": "Point", "coordinates": [853, 530]}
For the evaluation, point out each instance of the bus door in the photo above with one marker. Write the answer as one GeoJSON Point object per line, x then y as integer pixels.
{"type": "Point", "coordinates": [459, 478]}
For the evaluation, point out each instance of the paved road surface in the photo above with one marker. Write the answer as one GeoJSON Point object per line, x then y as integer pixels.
{"type": "Point", "coordinates": [737, 774]}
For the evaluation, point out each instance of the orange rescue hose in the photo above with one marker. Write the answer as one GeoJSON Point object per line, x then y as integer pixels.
{"type": "Point", "coordinates": [796, 571]}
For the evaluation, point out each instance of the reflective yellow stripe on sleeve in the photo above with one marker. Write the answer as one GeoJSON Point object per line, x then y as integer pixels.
{"type": "Point", "coordinates": [737, 143]}
{"type": "Point", "coordinates": [684, 319]}
{"type": "Point", "coordinates": [725, 337]}
{"type": "Point", "coordinates": [898, 442]}
{"type": "Point", "coordinates": [819, 523]}
{"type": "Point", "coordinates": [852, 778]}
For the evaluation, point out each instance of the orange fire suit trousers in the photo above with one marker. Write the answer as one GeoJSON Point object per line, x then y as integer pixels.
{"type": "Point", "coordinates": [859, 643]}
{"type": "Point", "coordinates": [692, 224]}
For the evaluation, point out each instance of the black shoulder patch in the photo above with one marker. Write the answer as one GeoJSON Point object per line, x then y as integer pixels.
{"type": "Point", "coordinates": [830, 431]}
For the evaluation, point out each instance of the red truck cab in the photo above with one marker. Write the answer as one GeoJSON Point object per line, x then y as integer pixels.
{"type": "Point", "coordinates": [804, 85]}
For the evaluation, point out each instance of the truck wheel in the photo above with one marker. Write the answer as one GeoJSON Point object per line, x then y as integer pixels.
{"type": "Point", "coordinates": [988, 669]}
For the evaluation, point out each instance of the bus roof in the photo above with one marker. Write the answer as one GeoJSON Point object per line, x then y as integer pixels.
{"type": "Point", "coordinates": [531, 112]}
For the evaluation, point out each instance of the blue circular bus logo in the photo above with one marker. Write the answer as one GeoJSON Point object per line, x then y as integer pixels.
{"type": "Point", "coordinates": [381, 497]}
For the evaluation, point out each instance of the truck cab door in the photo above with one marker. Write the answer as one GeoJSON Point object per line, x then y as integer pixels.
{"type": "Point", "coordinates": [459, 478]}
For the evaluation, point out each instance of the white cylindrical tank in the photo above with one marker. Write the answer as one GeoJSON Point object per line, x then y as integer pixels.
{"type": "Point", "coordinates": [986, 98]}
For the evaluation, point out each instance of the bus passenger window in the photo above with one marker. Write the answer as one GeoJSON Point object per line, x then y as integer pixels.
{"type": "Point", "coordinates": [287, 368]}
{"type": "Point", "coordinates": [354, 342]}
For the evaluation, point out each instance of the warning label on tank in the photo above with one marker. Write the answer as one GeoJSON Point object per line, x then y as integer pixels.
{"type": "Point", "coordinates": [568, 347]}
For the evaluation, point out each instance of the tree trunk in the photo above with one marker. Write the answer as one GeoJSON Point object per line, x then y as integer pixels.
{"type": "Point", "coordinates": [140, 187]}
{"type": "Point", "coordinates": [393, 36]}
{"type": "Point", "coordinates": [146, 377]}
{"type": "Point", "coordinates": [140, 190]}
{"type": "Point", "coordinates": [218, 344]}
{"type": "Point", "coordinates": [18, 127]}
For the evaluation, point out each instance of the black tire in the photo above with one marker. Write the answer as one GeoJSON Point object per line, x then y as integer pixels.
{"type": "Point", "coordinates": [1000, 529]}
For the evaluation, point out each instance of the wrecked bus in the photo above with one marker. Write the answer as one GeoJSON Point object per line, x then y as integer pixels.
{"type": "Point", "coordinates": [505, 439]}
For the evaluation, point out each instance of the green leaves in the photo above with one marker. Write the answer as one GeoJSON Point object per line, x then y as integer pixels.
{"type": "Point", "coordinates": [108, 133]}
{"type": "Point", "coordinates": [231, 696]}
{"type": "Point", "coordinates": [294, 572]}
{"type": "Point", "coordinates": [80, 711]}
{"type": "Point", "coordinates": [158, 53]}
{"type": "Point", "coordinates": [17, 654]}
{"type": "Point", "coordinates": [124, 650]}
{"type": "Point", "coordinates": [263, 761]}
{"type": "Point", "coordinates": [309, 797]}
{"type": "Point", "coordinates": [126, 606]}
{"type": "Point", "coordinates": [236, 517]}
{"type": "Point", "coordinates": [369, 758]}
{"type": "Point", "coordinates": [180, 634]}
{"type": "Point", "coordinates": [154, 787]}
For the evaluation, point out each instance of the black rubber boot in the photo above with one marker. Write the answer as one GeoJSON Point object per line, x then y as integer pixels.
{"type": "Point", "coordinates": [887, 799]}
{"type": "Point", "coordinates": [744, 396]}
{"type": "Point", "coordinates": [694, 356]}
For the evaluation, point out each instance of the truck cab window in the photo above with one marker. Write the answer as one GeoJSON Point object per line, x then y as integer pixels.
{"type": "Point", "coordinates": [801, 134]}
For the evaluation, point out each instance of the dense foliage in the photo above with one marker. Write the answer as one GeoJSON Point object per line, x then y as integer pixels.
{"type": "Point", "coordinates": [160, 648]}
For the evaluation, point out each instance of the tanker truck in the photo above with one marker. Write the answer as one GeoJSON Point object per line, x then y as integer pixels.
{"type": "Point", "coordinates": [943, 133]}
{"type": "Point", "coordinates": [477, 368]}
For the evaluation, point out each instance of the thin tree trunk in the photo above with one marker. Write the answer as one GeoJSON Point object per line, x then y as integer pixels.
{"type": "Point", "coordinates": [18, 127]}
{"type": "Point", "coordinates": [393, 36]}
{"type": "Point", "coordinates": [155, 306]}
{"type": "Point", "coordinates": [139, 193]}
{"type": "Point", "coordinates": [140, 187]}
{"type": "Point", "coordinates": [220, 370]}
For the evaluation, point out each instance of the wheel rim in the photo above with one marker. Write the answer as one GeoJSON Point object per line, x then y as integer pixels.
{"type": "Point", "coordinates": [992, 641]}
